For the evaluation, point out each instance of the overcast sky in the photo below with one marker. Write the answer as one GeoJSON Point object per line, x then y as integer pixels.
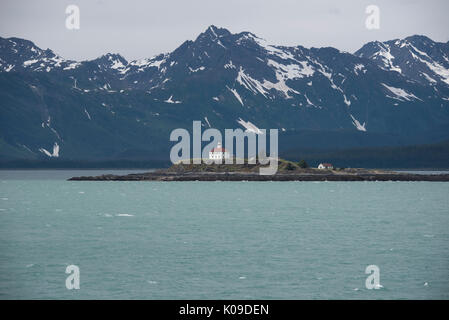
{"type": "Point", "coordinates": [140, 29]}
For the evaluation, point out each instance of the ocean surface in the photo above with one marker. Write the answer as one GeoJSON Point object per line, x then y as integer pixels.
{"type": "Point", "coordinates": [221, 240]}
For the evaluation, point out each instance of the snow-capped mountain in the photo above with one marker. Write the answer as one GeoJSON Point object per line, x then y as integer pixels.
{"type": "Point", "coordinates": [23, 55]}
{"type": "Point", "coordinates": [416, 57]}
{"type": "Point", "coordinates": [394, 92]}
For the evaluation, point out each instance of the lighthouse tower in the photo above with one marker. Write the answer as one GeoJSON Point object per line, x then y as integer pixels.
{"type": "Point", "coordinates": [219, 153]}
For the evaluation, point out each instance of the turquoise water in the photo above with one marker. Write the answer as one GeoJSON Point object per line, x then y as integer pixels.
{"type": "Point", "coordinates": [221, 240]}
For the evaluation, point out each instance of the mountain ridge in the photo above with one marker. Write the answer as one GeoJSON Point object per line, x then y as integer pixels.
{"type": "Point", "coordinates": [206, 32]}
{"type": "Point", "coordinates": [393, 92]}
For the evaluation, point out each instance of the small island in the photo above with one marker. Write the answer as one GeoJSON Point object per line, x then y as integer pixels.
{"type": "Point", "coordinates": [287, 171]}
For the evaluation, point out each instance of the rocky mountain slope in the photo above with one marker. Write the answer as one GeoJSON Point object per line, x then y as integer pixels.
{"type": "Point", "coordinates": [386, 93]}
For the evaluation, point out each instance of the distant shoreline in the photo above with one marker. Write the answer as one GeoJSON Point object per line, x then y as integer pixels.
{"type": "Point", "coordinates": [285, 171]}
{"type": "Point", "coordinates": [234, 176]}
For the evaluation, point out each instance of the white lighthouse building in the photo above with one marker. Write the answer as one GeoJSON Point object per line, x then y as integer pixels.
{"type": "Point", "coordinates": [219, 153]}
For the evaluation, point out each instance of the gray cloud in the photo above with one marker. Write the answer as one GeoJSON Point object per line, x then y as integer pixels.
{"type": "Point", "coordinates": [139, 29]}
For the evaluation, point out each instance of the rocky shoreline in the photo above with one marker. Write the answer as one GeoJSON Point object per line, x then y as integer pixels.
{"type": "Point", "coordinates": [247, 176]}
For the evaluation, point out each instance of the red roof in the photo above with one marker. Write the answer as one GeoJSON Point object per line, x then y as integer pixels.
{"type": "Point", "coordinates": [327, 164]}
{"type": "Point", "coordinates": [219, 150]}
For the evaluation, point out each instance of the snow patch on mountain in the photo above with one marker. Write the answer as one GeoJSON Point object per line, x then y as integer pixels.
{"type": "Point", "coordinates": [87, 114]}
{"type": "Point", "coordinates": [170, 100]}
{"type": "Point", "coordinates": [310, 103]}
{"type": "Point", "coordinates": [434, 66]}
{"type": "Point", "coordinates": [156, 62]}
{"type": "Point", "coordinates": [400, 94]}
{"type": "Point", "coordinates": [30, 62]}
{"type": "Point", "coordinates": [229, 65]}
{"type": "Point", "coordinates": [197, 69]}
{"type": "Point", "coordinates": [72, 66]}
{"type": "Point", "coordinates": [117, 64]}
{"type": "Point", "coordinates": [360, 127]}
{"type": "Point", "coordinates": [207, 121]}
{"type": "Point", "coordinates": [359, 67]}
{"type": "Point", "coordinates": [279, 86]}
{"type": "Point", "coordinates": [249, 83]}
{"type": "Point", "coordinates": [439, 70]}
{"type": "Point", "coordinates": [292, 71]}
{"type": "Point", "coordinates": [214, 36]}
{"type": "Point", "coordinates": [250, 127]}
{"type": "Point", "coordinates": [346, 100]}
{"type": "Point", "coordinates": [428, 78]}
{"type": "Point", "coordinates": [386, 57]}
{"type": "Point", "coordinates": [328, 74]}
{"type": "Point", "coordinates": [273, 50]}
{"type": "Point", "coordinates": [236, 94]}
{"type": "Point", "coordinates": [54, 154]}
